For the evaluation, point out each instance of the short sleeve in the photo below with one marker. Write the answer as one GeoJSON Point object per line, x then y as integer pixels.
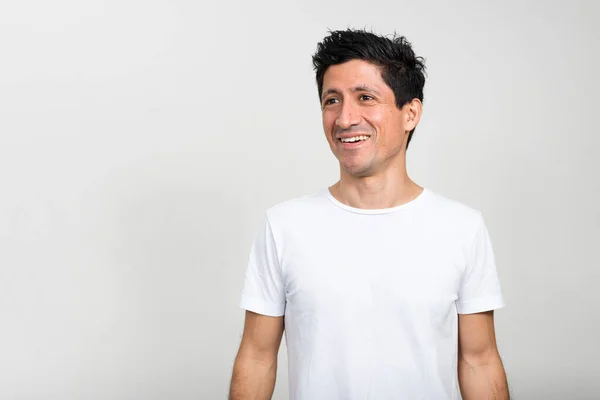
{"type": "Point", "coordinates": [263, 291]}
{"type": "Point", "coordinates": [480, 286]}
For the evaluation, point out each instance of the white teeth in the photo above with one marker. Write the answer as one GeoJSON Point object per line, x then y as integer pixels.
{"type": "Point", "coordinates": [354, 139]}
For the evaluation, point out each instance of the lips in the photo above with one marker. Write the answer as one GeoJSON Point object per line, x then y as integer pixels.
{"type": "Point", "coordinates": [352, 141]}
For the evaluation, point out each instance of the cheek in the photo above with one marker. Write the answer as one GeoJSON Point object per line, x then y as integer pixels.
{"type": "Point", "coordinates": [389, 127]}
{"type": "Point", "coordinates": [377, 119]}
{"type": "Point", "coordinates": [376, 116]}
{"type": "Point", "coordinates": [328, 120]}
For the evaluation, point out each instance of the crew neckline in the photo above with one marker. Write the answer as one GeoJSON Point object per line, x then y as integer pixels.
{"type": "Point", "coordinates": [424, 193]}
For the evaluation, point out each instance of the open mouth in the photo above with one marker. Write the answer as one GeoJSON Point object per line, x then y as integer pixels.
{"type": "Point", "coordinates": [354, 139]}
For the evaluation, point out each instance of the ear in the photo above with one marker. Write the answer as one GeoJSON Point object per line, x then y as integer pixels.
{"type": "Point", "coordinates": [412, 114]}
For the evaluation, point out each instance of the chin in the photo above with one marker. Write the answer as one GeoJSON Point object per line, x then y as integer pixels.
{"type": "Point", "coordinates": [357, 170]}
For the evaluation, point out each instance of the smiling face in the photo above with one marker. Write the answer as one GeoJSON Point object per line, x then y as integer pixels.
{"type": "Point", "coordinates": [365, 129]}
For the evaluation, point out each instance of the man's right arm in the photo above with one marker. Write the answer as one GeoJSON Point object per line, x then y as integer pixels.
{"type": "Point", "coordinates": [255, 367]}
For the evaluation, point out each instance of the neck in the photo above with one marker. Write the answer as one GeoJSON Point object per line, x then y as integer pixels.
{"type": "Point", "coordinates": [390, 188]}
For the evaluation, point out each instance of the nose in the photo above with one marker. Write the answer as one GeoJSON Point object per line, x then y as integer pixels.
{"type": "Point", "coordinates": [348, 116]}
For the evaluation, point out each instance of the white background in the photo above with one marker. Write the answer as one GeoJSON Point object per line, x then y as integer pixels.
{"type": "Point", "coordinates": [140, 142]}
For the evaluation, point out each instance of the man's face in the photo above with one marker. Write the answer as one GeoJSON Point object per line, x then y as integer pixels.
{"type": "Point", "coordinates": [364, 128]}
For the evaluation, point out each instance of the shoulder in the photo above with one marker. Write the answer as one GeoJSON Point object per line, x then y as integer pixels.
{"type": "Point", "coordinates": [297, 209]}
{"type": "Point", "coordinates": [453, 214]}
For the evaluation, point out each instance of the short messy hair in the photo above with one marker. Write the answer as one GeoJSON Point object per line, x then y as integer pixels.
{"type": "Point", "coordinates": [401, 69]}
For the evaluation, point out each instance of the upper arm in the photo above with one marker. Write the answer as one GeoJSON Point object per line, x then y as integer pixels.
{"type": "Point", "coordinates": [477, 337]}
{"type": "Point", "coordinates": [480, 285]}
{"type": "Point", "coordinates": [262, 335]}
{"type": "Point", "coordinates": [263, 297]}
{"type": "Point", "coordinates": [264, 286]}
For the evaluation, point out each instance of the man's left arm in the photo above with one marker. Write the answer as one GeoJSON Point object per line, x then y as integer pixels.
{"type": "Point", "coordinates": [481, 373]}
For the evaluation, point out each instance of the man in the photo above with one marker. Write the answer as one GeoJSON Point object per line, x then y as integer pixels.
{"type": "Point", "coordinates": [386, 289]}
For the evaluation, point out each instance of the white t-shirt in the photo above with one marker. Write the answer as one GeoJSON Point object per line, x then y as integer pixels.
{"type": "Point", "coordinates": [371, 297]}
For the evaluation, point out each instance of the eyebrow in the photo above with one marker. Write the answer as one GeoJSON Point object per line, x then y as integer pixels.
{"type": "Point", "coordinates": [359, 88]}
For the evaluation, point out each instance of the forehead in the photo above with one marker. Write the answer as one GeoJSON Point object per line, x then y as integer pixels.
{"type": "Point", "coordinates": [353, 73]}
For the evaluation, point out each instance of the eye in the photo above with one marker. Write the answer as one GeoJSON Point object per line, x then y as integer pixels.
{"type": "Point", "coordinates": [330, 101]}
{"type": "Point", "coordinates": [365, 97]}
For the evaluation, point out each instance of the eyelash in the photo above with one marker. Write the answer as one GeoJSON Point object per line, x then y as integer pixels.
{"type": "Point", "coordinates": [328, 101]}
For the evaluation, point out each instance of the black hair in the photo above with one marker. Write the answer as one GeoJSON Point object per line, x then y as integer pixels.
{"type": "Point", "coordinates": [401, 69]}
